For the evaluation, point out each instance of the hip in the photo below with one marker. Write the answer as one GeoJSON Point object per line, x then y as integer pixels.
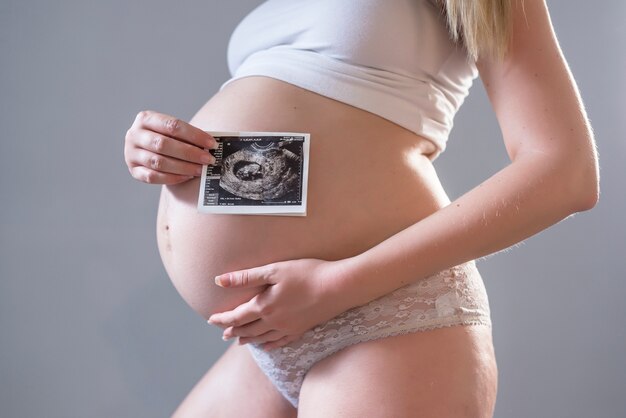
{"type": "Point", "coordinates": [452, 297]}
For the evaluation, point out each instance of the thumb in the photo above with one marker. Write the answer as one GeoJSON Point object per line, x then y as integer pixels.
{"type": "Point", "coordinates": [252, 277]}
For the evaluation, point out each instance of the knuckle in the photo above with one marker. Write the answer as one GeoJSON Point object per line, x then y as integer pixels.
{"type": "Point", "coordinates": [149, 177]}
{"type": "Point", "coordinates": [129, 135]}
{"type": "Point", "coordinates": [142, 116]}
{"type": "Point", "coordinates": [271, 270]}
{"type": "Point", "coordinates": [171, 125]}
{"type": "Point", "coordinates": [264, 309]}
{"type": "Point", "coordinates": [156, 162]}
{"type": "Point", "coordinates": [127, 155]}
{"type": "Point", "coordinates": [158, 143]}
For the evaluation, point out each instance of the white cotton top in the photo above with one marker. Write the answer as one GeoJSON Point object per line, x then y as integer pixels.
{"type": "Point", "coordinates": [393, 58]}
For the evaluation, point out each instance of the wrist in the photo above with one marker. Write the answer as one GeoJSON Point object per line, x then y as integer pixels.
{"type": "Point", "coordinates": [347, 281]}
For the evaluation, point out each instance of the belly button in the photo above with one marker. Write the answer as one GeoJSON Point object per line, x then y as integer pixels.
{"type": "Point", "coordinates": [166, 238]}
{"type": "Point", "coordinates": [168, 243]}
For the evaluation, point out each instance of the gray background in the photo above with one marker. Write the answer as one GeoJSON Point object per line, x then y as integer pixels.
{"type": "Point", "coordinates": [90, 325]}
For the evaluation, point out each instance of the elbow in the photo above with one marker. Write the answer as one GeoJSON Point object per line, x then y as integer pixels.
{"type": "Point", "coordinates": [585, 187]}
{"type": "Point", "coordinates": [591, 198]}
{"type": "Point", "coordinates": [586, 202]}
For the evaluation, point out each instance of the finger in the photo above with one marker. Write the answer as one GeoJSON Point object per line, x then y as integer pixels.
{"type": "Point", "coordinates": [278, 343]}
{"type": "Point", "coordinates": [269, 336]}
{"type": "Point", "coordinates": [252, 329]}
{"type": "Point", "coordinates": [241, 315]}
{"type": "Point", "coordinates": [166, 164]}
{"type": "Point", "coordinates": [257, 276]}
{"type": "Point", "coordinates": [174, 127]}
{"type": "Point", "coordinates": [150, 176]}
{"type": "Point", "coordinates": [164, 145]}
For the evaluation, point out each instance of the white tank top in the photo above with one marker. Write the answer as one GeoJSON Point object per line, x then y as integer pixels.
{"type": "Point", "coordinates": [393, 58]}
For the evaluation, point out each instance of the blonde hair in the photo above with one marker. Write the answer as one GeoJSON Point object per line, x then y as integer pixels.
{"type": "Point", "coordinates": [482, 26]}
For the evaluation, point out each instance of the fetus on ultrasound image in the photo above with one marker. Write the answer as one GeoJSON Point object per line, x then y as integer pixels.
{"type": "Point", "coordinates": [261, 172]}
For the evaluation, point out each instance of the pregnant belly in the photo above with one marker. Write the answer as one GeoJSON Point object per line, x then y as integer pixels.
{"type": "Point", "coordinates": [368, 179]}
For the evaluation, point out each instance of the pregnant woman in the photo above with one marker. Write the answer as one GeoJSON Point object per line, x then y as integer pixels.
{"type": "Point", "coordinates": [370, 305]}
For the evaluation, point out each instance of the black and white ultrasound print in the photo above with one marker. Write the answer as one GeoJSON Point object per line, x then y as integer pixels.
{"type": "Point", "coordinates": [256, 173]}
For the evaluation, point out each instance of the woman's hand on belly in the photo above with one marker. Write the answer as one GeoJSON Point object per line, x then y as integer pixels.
{"type": "Point", "coordinates": [299, 295]}
{"type": "Point", "coordinates": [161, 149]}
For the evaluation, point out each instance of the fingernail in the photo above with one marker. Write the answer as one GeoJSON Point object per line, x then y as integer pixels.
{"type": "Point", "coordinates": [207, 158]}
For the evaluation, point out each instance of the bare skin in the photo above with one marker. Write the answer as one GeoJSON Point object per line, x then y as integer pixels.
{"type": "Point", "coordinates": [369, 179]}
{"type": "Point", "coordinates": [448, 372]}
{"type": "Point", "coordinates": [347, 143]}
{"type": "Point", "coordinates": [234, 386]}
{"type": "Point", "coordinates": [342, 206]}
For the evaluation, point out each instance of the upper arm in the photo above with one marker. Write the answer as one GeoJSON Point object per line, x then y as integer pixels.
{"type": "Point", "coordinates": [533, 92]}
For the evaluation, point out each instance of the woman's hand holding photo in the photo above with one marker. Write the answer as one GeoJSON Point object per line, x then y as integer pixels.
{"type": "Point", "coordinates": [162, 149]}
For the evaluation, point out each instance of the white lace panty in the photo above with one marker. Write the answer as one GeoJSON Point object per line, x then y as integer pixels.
{"type": "Point", "coordinates": [455, 296]}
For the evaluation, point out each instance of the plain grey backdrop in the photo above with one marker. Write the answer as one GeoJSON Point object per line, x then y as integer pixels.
{"type": "Point", "coordinates": [90, 325]}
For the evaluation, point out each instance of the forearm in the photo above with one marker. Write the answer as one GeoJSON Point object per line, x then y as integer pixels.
{"type": "Point", "coordinates": [517, 202]}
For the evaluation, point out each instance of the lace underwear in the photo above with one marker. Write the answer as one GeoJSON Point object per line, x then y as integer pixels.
{"type": "Point", "coordinates": [455, 296]}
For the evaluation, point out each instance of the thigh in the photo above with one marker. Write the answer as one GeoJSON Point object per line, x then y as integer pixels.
{"type": "Point", "coordinates": [234, 387]}
{"type": "Point", "coordinates": [446, 372]}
